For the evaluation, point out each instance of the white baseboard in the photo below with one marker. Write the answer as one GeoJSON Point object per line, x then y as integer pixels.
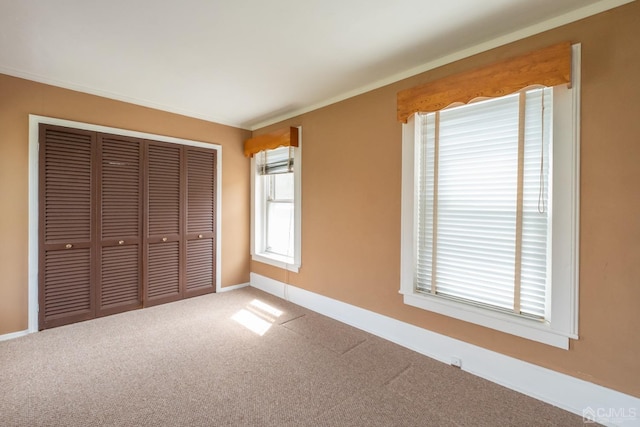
{"type": "Point", "coordinates": [13, 335]}
{"type": "Point", "coordinates": [18, 334]}
{"type": "Point", "coordinates": [594, 402]}
{"type": "Point", "coordinates": [232, 287]}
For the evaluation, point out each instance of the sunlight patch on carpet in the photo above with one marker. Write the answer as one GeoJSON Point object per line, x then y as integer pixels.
{"type": "Point", "coordinates": [257, 316]}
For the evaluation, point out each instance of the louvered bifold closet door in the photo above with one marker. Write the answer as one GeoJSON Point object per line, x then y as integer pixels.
{"type": "Point", "coordinates": [200, 221]}
{"type": "Point", "coordinates": [120, 224]}
{"type": "Point", "coordinates": [163, 246]}
{"type": "Point", "coordinates": [65, 226]}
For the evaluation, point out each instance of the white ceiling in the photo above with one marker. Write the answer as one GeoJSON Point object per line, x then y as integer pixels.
{"type": "Point", "coordinates": [247, 63]}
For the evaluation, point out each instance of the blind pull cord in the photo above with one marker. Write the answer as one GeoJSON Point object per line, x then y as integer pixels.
{"type": "Point", "coordinates": [541, 202]}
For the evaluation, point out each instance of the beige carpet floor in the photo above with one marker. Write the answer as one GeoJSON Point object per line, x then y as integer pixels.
{"type": "Point", "coordinates": [242, 358]}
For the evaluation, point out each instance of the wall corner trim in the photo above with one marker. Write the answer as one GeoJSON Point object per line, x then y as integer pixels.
{"type": "Point", "coordinates": [561, 390]}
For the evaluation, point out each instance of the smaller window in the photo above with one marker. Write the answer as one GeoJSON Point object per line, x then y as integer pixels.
{"type": "Point", "coordinates": [276, 207]}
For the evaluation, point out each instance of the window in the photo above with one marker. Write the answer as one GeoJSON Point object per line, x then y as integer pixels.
{"type": "Point", "coordinates": [490, 213]}
{"type": "Point", "coordinates": [482, 219]}
{"type": "Point", "coordinates": [276, 207]}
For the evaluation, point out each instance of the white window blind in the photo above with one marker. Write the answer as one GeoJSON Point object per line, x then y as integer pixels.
{"type": "Point", "coordinates": [482, 203]}
{"type": "Point", "coordinates": [278, 160]}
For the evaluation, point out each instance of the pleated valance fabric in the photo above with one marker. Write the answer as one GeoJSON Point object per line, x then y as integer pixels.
{"type": "Point", "coordinates": [287, 137]}
{"type": "Point", "coordinates": [550, 66]}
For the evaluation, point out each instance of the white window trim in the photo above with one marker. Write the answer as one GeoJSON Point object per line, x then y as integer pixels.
{"type": "Point", "coordinates": [563, 322]}
{"type": "Point", "coordinates": [258, 212]}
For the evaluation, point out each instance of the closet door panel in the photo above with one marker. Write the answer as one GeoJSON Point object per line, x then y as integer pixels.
{"type": "Point", "coordinates": [120, 277]}
{"type": "Point", "coordinates": [200, 271]}
{"type": "Point", "coordinates": [120, 224]}
{"type": "Point", "coordinates": [163, 272]}
{"type": "Point", "coordinates": [201, 221]}
{"type": "Point", "coordinates": [164, 223]}
{"type": "Point", "coordinates": [65, 226]}
{"type": "Point", "coordinates": [67, 294]}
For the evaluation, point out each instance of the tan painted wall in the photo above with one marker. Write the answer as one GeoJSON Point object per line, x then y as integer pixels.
{"type": "Point", "coordinates": [19, 98]}
{"type": "Point", "coordinates": [351, 205]}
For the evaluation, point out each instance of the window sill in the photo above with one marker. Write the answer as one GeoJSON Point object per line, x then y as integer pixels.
{"type": "Point", "coordinates": [280, 261]}
{"type": "Point", "coordinates": [525, 328]}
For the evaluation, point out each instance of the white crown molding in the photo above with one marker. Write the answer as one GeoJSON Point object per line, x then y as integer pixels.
{"type": "Point", "coordinates": [540, 27]}
{"type": "Point", "coordinates": [116, 96]}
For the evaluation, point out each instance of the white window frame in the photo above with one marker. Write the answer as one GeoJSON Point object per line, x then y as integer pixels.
{"type": "Point", "coordinates": [259, 215]}
{"type": "Point", "coordinates": [563, 320]}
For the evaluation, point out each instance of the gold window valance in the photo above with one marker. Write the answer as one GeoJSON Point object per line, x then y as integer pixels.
{"type": "Point", "coordinates": [550, 66]}
{"type": "Point", "coordinates": [287, 137]}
